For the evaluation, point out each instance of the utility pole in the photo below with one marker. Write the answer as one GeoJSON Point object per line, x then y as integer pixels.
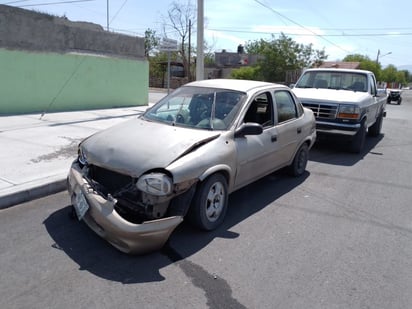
{"type": "Point", "coordinates": [200, 55]}
{"type": "Point", "coordinates": [189, 71]}
{"type": "Point", "coordinates": [107, 15]}
{"type": "Point", "coordinates": [379, 55]}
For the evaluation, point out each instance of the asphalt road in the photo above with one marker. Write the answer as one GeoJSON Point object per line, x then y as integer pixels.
{"type": "Point", "coordinates": [339, 237]}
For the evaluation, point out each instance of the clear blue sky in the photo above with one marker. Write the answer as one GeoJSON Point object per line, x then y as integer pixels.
{"type": "Point", "coordinates": [340, 27]}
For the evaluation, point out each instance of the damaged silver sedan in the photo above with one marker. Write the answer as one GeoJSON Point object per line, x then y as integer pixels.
{"type": "Point", "coordinates": [134, 183]}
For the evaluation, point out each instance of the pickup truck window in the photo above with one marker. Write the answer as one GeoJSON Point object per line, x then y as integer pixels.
{"type": "Point", "coordinates": [373, 86]}
{"type": "Point", "coordinates": [334, 80]}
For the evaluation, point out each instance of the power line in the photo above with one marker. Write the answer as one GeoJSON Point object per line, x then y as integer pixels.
{"type": "Point", "coordinates": [52, 3]}
{"type": "Point", "coordinates": [313, 34]}
{"type": "Point", "coordinates": [301, 26]}
{"type": "Point", "coordinates": [118, 11]}
{"type": "Point", "coordinates": [13, 2]}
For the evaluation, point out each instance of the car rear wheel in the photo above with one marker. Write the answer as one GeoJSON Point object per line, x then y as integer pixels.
{"type": "Point", "coordinates": [298, 166]}
{"type": "Point", "coordinates": [209, 204]}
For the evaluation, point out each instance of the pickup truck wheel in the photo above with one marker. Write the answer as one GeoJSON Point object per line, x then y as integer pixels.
{"type": "Point", "coordinates": [399, 101]}
{"type": "Point", "coordinates": [376, 128]}
{"type": "Point", "coordinates": [209, 204]}
{"type": "Point", "coordinates": [359, 139]}
{"type": "Point", "coordinates": [298, 166]}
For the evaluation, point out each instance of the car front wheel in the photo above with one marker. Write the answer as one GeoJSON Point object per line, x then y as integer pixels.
{"type": "Point", "coordinates": [359, 139]}
{"type": "Point", "coordinates": [376, 128]}
{"type": "Point", "coordinates": [209, 204]}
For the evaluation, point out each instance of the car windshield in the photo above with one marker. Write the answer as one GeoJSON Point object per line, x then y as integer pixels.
{"type": "Point", "coordinates": [333, 80]}
{"type": "Point", "coordinates": [198, 107]}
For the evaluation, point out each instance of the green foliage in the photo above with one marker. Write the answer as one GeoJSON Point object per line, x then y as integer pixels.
{"type": "Point", "coordinates": [365, 63]}
{"type": "Point", "coordinates": [249, 72]}
{"type": "Point", "coordinates": [151, 41]}
{"type": "Point", "coordinates": [156, 68]}
{"type": "Point", "coordinates": [391, 75]}
{"type": "Point", "coordinates": [209, 59]}
{"type": "Point", "coordinates": [408, 76]}
{"type": "Point", "coordinates": [282, 54]}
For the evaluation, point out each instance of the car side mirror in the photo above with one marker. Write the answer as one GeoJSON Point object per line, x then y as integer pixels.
{"type": "Point", "coordinates": [249, 128]}
{"type": "Point", "coordinates": [291, 86]}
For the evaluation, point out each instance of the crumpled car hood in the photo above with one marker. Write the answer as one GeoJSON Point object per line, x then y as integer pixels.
{"type": "Point", "coordinates": [339, 96]}
{"type": "Point", "coordinates": [137, 145]}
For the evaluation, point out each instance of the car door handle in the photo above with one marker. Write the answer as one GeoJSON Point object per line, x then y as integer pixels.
{"type": "Point", "coordinates": [274, 138]}
{"type": "Point", "coordinates": [299, 130]}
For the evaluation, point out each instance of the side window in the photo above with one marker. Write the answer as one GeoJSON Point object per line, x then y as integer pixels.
{"type": "Point", "coordinates": [261, 110]}
{"type": "Point", "coordinates": [373, 86]}
{"type": "Point", "coordinates": [285, 106]}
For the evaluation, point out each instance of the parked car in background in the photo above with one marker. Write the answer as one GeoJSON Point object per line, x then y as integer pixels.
{"type": "Point", "coordinates": [135, 182]}
{"type": "Point", "coordinates": [394, 95]}
{"type": "Point", "coordinates": [346, 103]}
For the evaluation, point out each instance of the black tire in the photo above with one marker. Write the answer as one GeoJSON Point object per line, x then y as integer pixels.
{"type": "Point", "coordinates": [376, 128]}
{"type": "Point", "coordinates": [358, 140]}
{"type": "Point", "coordinates": [298, 166]}
{"type": "Point", "coordinates": [209, 204]}
{"type": "Point", "coordinates": [399, 101]}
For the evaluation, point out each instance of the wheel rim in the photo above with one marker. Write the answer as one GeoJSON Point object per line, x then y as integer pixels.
{"type": "Point", "coordinates": [215, 201]}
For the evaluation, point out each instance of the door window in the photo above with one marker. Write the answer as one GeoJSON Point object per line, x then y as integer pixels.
{"type": "Point", "coordinates": [285, 106]}
{"type": "Point", "coordinates": [260, 110]}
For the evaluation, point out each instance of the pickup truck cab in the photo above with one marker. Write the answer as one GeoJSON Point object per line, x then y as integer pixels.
{"type": "Point", "coordinates": [345, 102]}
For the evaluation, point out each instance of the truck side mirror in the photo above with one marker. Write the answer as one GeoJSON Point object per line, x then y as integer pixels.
{"type": "Point", "coordinates": [381, 93]}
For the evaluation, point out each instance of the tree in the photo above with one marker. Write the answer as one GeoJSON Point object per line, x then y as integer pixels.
{"type": "Point", "coordinates": [249, 72]}
{"type": "Point", "coordinates": [281, 55]}
{"type": "Point", "coordinates": [365, 63]}
{"type": "Point", "coordinates": [151, 41]}
{"type": "Point", "coordinates": [392, 75]}
{"type": "Point", "coordinates": [156, 66]}
{"type": "Point", "coordinates": [180, 17]}
{"type": "Point", "coordinates": [408, 76]}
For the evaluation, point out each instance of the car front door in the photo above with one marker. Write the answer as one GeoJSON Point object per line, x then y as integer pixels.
{"type": "Point", "coordinates": [255, 153]}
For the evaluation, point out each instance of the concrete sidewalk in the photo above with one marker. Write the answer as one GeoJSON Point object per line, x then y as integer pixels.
{"type": "Point", "coordinates": [36, 153]}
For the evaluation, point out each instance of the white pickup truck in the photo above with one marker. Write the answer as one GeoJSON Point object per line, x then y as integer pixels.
{"type": "Point", "coordinates": [345, 102]}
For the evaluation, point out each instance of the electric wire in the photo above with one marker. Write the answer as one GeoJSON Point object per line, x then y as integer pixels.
{"type": "Point", "coordinates": [301, 26]}
{"type": "Point", "coordinates": [118, 11]}
{"type": "Point", "coordinates": [53, 3]}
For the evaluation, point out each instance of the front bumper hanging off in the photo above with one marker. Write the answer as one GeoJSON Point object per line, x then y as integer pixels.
{"type": "Point", "coordinates": [103, 219]}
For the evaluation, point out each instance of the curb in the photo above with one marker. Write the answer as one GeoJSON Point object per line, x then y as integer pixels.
{"type": "Point", "coordinates": [32, 193]}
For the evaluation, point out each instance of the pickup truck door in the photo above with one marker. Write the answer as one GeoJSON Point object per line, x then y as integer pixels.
{"type": "Point", "coordinates": [375, 101]}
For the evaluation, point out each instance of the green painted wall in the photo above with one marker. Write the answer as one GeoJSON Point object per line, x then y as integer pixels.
{"type": "Point", "coordinates": [32, 82]}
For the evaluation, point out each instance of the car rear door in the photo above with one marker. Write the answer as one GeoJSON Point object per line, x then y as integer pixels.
{"type": "Point", "coordinates": [289, 125]}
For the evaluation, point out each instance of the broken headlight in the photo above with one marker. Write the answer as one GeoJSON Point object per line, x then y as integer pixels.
{"type": "Point", "coordinates": [155, 184]}
{"type": "Point", "coordinates": [82, 156]}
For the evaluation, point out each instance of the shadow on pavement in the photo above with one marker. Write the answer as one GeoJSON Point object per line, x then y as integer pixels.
{"type": "Point", "coordinates": [98, 257]}
{"type": "Point", "coordinates": [335, 152]}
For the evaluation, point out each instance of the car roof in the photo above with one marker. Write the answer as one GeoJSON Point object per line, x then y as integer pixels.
{"type": "Point", "coordinates": [338, 70]}
{"type": "Point", "coordinates": [234, 84]}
